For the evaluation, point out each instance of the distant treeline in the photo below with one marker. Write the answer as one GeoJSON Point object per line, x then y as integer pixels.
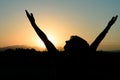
{"type": "Point", "coordinates": [22, 56]}
{"type": "Point", "coordinates": [31, 56]}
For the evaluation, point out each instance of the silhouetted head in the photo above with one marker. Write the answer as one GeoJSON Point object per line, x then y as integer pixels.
{"type": "Point", "coordinates": [76, 45]}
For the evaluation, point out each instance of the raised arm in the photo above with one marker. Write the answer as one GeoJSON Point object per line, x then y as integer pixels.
{"type": "Point", "coordinates": [50, 47]}
{"type": "Point", "coordinates": [101, 36]}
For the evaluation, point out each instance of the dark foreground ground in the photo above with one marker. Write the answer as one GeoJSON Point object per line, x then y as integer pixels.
{"type": "Point", "coordinates": [104, 64]}
{"type": "Point", "coordinates": [28, 63]}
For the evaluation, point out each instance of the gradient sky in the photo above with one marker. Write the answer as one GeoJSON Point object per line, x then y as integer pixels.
{"type": "Point", "coordinates": [59, 19]}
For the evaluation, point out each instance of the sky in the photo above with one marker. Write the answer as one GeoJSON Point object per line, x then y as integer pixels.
{"type": "Point", "coordinates": [59, 19]}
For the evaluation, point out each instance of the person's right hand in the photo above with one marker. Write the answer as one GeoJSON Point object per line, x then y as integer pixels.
{"type": "Point", "coordinates": [30, 17]}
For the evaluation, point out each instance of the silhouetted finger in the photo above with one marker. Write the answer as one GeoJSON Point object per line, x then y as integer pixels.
{"type": "Point", "coordinates": [116, 17]}
{"type": "Point", "coordinates": [26, 12]}
{"type": "Point", "coordinates": [31, 14]}
{"type": "Point", "coordinates": [28, 15]}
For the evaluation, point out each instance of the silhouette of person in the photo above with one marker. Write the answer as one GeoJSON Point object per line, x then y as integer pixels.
{"type": "Point", "coordinates": [76, 46]}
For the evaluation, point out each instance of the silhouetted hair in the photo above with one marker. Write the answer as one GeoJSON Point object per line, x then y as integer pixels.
{"type": "Point", "coordinates": [76, 44]}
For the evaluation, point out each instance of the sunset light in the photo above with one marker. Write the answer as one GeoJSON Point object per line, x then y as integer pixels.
{"type": "Point", "coordinates": [38, 33]}
{"type": "Point", "coordinates": [51, 38]}
{"type": "Point", "coordinates": [41, 44]}
{"type": "Point", "coordinates": [59, 20]}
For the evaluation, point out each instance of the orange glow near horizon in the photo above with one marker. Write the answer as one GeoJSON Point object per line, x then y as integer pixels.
{"type": "Point", "coordinates": [59, 19]}
{"type": "Point", "coordinates": [57, 31]}
{"type": "Point", "coordinates": [41, 44]}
